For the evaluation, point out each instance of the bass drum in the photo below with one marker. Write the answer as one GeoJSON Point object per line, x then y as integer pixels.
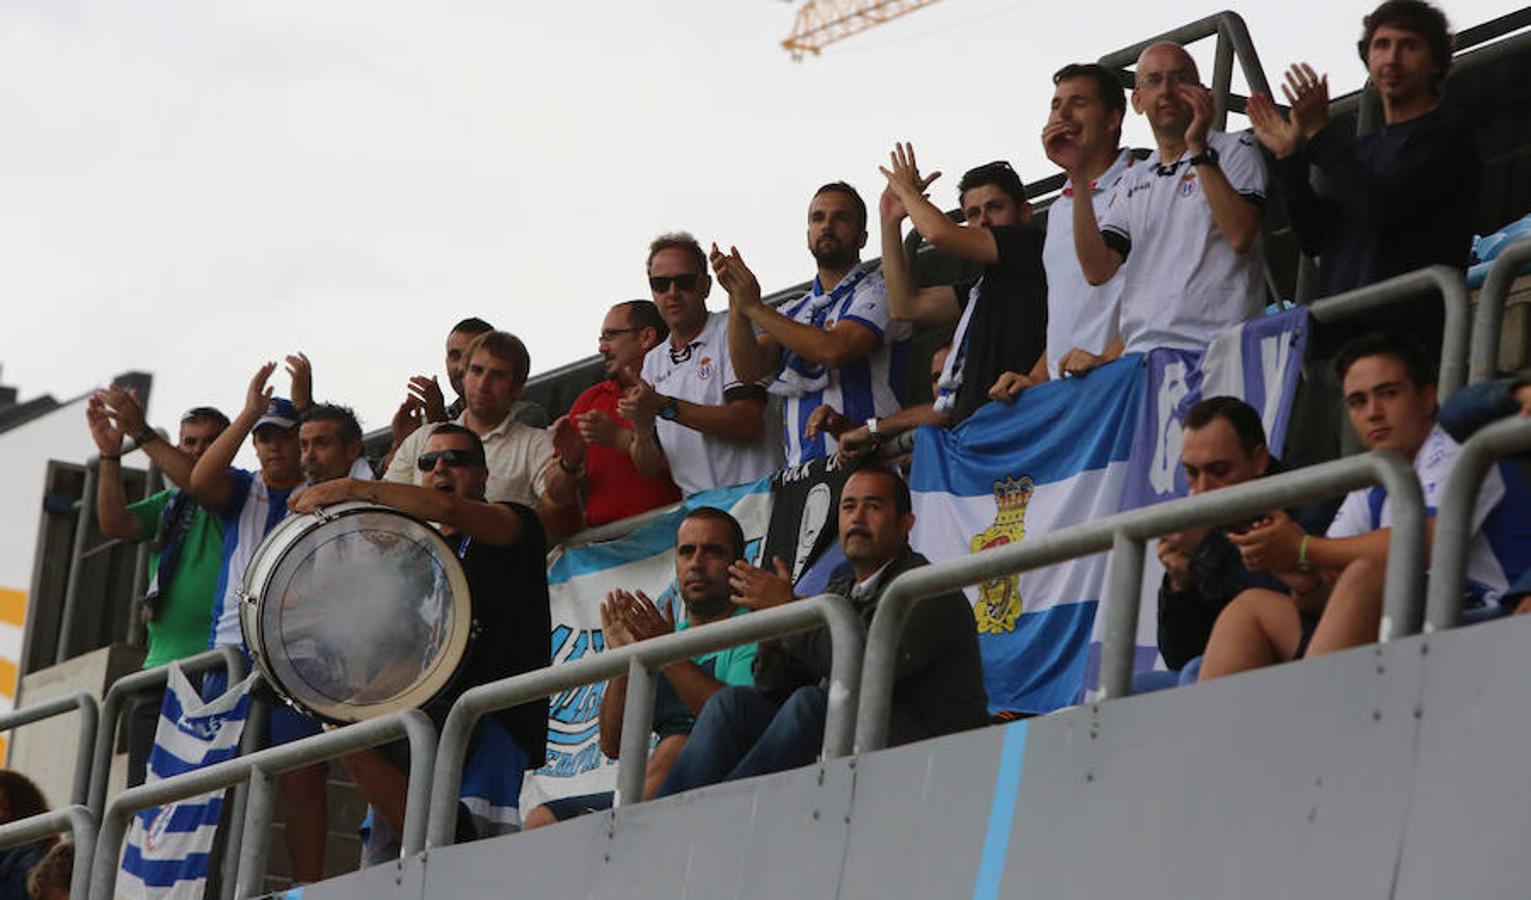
{"type": "Point", "coordinates": [356, 611]}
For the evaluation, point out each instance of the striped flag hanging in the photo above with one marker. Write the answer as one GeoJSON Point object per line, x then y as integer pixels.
{"type": "Point", "coordinates": [168, 846]}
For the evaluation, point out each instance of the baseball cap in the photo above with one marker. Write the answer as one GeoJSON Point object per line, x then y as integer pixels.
{"type": "Point", "coordinates": [279, 412]}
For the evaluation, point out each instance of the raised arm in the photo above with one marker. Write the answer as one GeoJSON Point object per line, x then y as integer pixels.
{"type": "Point", "coordinates": [112, 515]}
{"type": "Point", "coordinates": [934, 306]}
{"type": "Point", "coordinates": [1097, 260]}
{"type": "Point", "coordinates": [210, 481]}
{"type": "Point", "coordinates": [1236, 217]}
{"type": "Point", "coordinates": [846, 342]}
{"type": "Point", "coordinates": [973, 243]}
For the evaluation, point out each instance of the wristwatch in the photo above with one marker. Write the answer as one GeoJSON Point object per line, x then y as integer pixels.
{"type": "Point", "coordinates": [1207, 157]}
{"type": "Point", "coordinates": [670, 410]}
{"type": "Point", "coordinates": [147, 436]}
{"type": "Point", "coordinates": [871, 424]}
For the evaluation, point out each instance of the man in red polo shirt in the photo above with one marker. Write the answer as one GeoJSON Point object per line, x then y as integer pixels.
{"type": "Point", "coordinates": [592, 441]}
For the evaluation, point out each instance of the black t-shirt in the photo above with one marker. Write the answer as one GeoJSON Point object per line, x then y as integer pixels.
{"type": "Point", "coordinates": [1008, 331]}
{"type": "Point", "coordinates": [511, 628]}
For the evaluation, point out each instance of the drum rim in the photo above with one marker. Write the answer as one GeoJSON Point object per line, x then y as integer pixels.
{"type": "Point", "coordinates": [424, 691]}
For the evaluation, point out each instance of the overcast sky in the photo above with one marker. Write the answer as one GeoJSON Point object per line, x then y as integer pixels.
{"type": "Point", "coordinates": [191, 188]}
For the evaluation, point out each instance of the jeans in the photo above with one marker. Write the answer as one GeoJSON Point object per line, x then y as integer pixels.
{"type": "Point", "coordinates": [741, 734]}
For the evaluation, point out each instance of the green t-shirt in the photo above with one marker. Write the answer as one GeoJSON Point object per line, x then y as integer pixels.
{"type": "Point", "coordinates": [735, 665]}
{"type": "Point", "coordinates": [184, 625]}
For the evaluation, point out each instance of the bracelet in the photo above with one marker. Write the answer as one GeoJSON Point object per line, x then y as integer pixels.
{"type": "Point", "coordinates": [147, 436]}
{"type": "Point", "coordinates": [1302, 554]}
{"type": "Point", "coordinates": [114, 457]}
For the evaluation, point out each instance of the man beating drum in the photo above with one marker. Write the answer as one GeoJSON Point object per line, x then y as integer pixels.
{"type": "Point", "coordinates": [503, 553]}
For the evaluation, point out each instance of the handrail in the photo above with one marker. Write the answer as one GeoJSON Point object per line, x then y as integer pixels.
{"type": "Point", "coordinates": [1124, 534]}
{"type": "Point", "coordinates": [1442, 280]}
{"type": "Point", "coordinates": [638, 661]}
{"type": "Point", "coordinates": [76, 820]}
{"type": "Point", "coordinates": [1488, 319]}
{"type": "Point", "coordinates": [259, 769]}
{"type": "Point", "coordinates": [141, 682]}
{"type": "Point", "coordinates": [621, 528]}
{"type": "Point", "coordinates": [1454, 517]}
{"type": "Point", "coordinates": [90, 715]}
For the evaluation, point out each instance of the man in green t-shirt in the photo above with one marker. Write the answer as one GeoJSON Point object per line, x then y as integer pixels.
{"type": "Point", "coordinates": [707, 542]}
{"type": "Point", "coordinates": [177, 610]}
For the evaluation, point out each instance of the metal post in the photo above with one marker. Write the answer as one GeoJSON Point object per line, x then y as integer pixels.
{"type": "Point", "coordinates": [1489, 317]}
{"type": "Point", "coordinates": [1454, 519]}
{"type": "Point", "coordinates": [1124, 589]}
{"type": "Point", "coordinates": [250, 741]}
{"type": "Point", "coordinates": [1222, 79]}
{"type": "Point", "coordinates": [154, 482]}
{"type": "Point", "coordinates": [250, 872]}
{"type": "Point", "coordinates": [84, 743]}
{"type": "Point", "coordinates": [637, 722]}
{"type": "Point", "coordinates": [87, 512]}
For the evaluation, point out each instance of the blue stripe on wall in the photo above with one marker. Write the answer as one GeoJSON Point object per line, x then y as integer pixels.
{"type": "Point", "coordinates": [1007, 788]}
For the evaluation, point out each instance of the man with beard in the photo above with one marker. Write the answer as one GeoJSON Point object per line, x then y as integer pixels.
{"type": "Point", "coordinates": [1189, 215]}
{"type": "Point", "coordinates": [592, 441]}
{"type": "Point", "coordinates": [835, 346]}
{"type": "Point", "coordinates": [779, 723]}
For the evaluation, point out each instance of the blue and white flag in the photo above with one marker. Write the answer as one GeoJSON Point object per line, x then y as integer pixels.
{"type": "Point", "coordinates": [578, 580]}
{"type": "Point", "coordinates": [167, 847]}
{"type": "Point", "coordinates": [1055, 458]}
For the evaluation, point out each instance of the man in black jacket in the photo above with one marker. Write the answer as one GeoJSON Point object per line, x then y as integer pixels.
{"type": "Point", "coordinates": [779, 723]}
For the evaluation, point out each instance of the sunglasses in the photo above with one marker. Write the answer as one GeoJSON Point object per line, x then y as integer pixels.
{"type": "Point", "coordinates": [455, 459]}
{"type": "Point", "coordinates": [661, 283]}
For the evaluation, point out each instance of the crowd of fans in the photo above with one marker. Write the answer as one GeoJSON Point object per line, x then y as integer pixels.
{"type": "Point", "coordinates": [1137, 254]}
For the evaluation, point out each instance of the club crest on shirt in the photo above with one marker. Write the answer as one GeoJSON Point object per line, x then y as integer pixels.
{"type": "Point", "coordinates": [704, 368]}
{"type": "Point", "coordinates": [1188, 184]}
{"type": "Point", "coordinates": [999, 599]}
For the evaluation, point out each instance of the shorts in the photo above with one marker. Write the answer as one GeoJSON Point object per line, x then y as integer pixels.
{"type": "Point", "coordinates": [566, 808]}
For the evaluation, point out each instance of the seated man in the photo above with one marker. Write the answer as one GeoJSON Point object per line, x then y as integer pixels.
{"type": "Point", "coordinates": [708, 541]}
{"type": "Point", "coordinates": [1390, 396]}
{"type": "Point", "coordinates": [503, 555]}
{"type": "Point", "coordinates": [779, 723]}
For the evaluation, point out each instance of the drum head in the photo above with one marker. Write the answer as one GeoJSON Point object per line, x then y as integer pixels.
{"type": "Point", "coordinates": [356, 612]}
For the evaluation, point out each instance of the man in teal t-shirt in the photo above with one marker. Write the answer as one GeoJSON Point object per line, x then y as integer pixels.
{"type": "Point", "coordinates": [177, 610]}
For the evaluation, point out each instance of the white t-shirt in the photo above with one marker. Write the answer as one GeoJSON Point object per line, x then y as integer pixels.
{"type": "Point", "coordinates": [1080, 314]}
{"type": "Point", "coordinates": [517, 456]}
{"type": "Point", "coordinates": [1367, 510]}
{"type": "Point", "coordinates": [703, 373]}
{"type": "Point", "coordinates": [1183, 282]}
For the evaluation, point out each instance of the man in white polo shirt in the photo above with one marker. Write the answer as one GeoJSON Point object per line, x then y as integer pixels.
{"type": "Point", "coordinates": [1189, 216]}
{"type": "Point", "coordinates": [692, 416]}
{"type": "Point", "coordinates": [837, 345]}
{"type": "Point", "coordinates": [1085, 122]}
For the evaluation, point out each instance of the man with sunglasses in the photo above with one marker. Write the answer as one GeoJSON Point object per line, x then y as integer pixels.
{"type": "Point", "coordinates": [692, 415]}
{"type": "Point", "coordinates": [1189, 216]}
{"type": "Point", "coordinates": [592, 441]}
{"type": "Point", "coordinates": [503, 552]}
{"type": "Point", "coordinates": [837, 345]}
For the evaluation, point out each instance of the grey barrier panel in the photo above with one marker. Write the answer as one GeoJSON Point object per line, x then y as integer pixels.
{"type": "Point", "coordinates": [1442, 280]}
{"type": "Point", "coordinates": [87, 514]}
{"type": "Point", "coordinates": [139, 683]}
{"type": "Point", "coordinates": [1469, 812]}
{"type": "Point", "coordinates": [76, 820]}
{"type": "Point", "coordinates": [1454, 517]}
{"type": "Point", "coordinates": [410, 724]}
{"type": "Point", "coordinates": [1488, 319]}
{"type": "Point", "coordinates": [1126, 532]}
{"type": "Point", "coordinates": [829, 610]}
{"type": "Point", "coordinates": [249, 742]}
{"type": "Point", "coordinates": [89, 725]}
{"type": "Point", "coordinates": [1288, 782]}
{"type": "Point", "coordinates": [404, 879]}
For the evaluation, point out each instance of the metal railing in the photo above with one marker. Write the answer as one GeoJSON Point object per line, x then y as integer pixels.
{"type": "Point", "coordinates": [76, 820]}
{"type": "Point", "coordinates": [137, 684]}
{"type": "Point", "coordinates": [1488, 319]}
{"type": "Point", "coordinates": [1454, 518]}
{"type": "Point", "coordinates": [90, 726]}
{"type": "Point", "coordinates": [1441, 280]}
{"type": "Point", "coordinates": [1233, 43]}
{"type": "Point", "coordinates": [640, 662]}
{"type": "Point", "coordinates": [1124, 535]}
{"type": "Point", "coordinates": [260, 770]}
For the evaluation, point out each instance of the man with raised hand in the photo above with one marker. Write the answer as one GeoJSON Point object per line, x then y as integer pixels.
{"type": "Point", "coordinates": [837, 345]}
{"type": "Point", "coordinates": [1390, 396]}
{"type": "Point", "coordinates": [1084, 127]}
{"type": "Point", "coordinates": [519, 456]}
{"type": "Point", "coordinates": [779, 723]}
{"type": "Point", "coordinates": [692, 415]}
{"type": "Point", "coordinates": [1001, 318]}
{"type": "Point", "coordinates": [249, 505]}
{"type": "Point", "coordinates": [1391, 201]}
{"type": "Point", "coordinates": [707, 543]}
{"type": "Point", "coordinates": [1189, 216]}
{"type": "Point", "coordinates": [187, 539]}
{"type": "Point", "coordinates": [592, 442]}
{"type": "Point", "coordinates": [503, 555]}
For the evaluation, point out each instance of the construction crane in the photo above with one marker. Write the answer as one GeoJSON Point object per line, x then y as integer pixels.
{"type": "Point", "coordinates": [820, 23]}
